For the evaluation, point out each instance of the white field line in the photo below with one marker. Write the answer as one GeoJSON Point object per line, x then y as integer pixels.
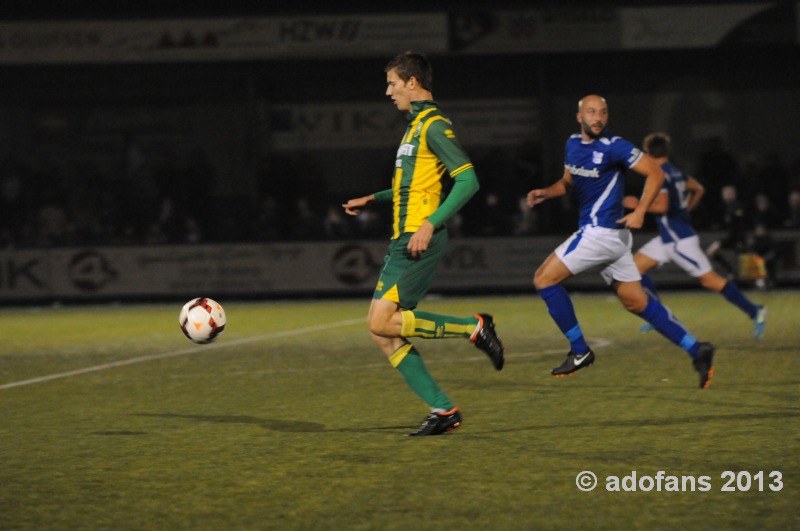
{"type": "Point", "coordinates": [596, 343]}
{"type": "Point", "coordinates": [185, 351]}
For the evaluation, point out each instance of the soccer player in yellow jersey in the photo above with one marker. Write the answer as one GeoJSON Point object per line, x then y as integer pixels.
{"type": "Point", "coordinates": [428, 150]}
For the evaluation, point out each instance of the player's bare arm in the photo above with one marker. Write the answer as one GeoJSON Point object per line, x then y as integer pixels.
{"type": "Point", "coordinates": [654, 178]}
{"type": "Point", "coordinates": [557, 189]}
{"type": "Point", "coordinates": [659, 206]}
{"type": "Point", "coordinates": [354, 206]}
{"type": "Point", "coordinates": [696, 190]}
{"type": "Point", "coordinates": [418, 243]}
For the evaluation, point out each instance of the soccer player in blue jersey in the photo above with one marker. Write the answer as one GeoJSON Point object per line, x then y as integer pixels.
{"type": "Point", "coordinates": [677, 241]}
{"type": "Point", "coordinates": [595, 161]}
{"type": "Point", "coordinates": [429, 149]}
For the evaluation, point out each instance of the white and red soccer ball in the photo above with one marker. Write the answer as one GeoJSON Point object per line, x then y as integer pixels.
{"type": "Point", "coordinates": [202, 319]}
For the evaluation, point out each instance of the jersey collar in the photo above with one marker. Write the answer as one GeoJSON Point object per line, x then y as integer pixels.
{"type": "Point", "coordinates": [420, 106]}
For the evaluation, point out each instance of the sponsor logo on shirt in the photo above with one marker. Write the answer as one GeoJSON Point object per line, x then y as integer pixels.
{"type": "Point", "coordinates": [583, 172]}
{"type": "Point", "coordinates": [405, 149]}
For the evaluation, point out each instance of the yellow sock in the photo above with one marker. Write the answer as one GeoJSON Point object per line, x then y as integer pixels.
{"type": "Point", "coordinates": [431, 325]}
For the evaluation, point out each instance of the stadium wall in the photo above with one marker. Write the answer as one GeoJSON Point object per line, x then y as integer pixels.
{"type": "Point", "coordinates": [272, 270]}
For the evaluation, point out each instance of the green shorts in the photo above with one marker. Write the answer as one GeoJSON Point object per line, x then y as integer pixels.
{"type": "Point", "coordinates": [405, 279]}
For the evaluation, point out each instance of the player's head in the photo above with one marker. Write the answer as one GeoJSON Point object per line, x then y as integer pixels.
{"type": "Point", "coordinates": [657, 145]}
{"type": "Point", "coordinates": [409, 77]}
{"type": "Point", "coordinates": [593, 116]}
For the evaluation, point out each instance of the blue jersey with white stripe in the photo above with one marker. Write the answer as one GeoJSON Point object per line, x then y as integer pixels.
{"type": "Point", "coordinates": [597, 170]}
{"type": "Point", "coordinates": [675, 223]}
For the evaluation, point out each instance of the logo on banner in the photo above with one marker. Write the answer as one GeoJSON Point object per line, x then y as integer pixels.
{"type": "Point", "coordinates": [90, 271]}
{"type": "Point", "coordinates": [353, 264]}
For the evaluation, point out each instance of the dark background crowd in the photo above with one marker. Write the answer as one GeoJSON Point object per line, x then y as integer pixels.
{"type": "Point", "coordinates": [176, 205]}
{"type": "Point", "coordinates": [152, 192]}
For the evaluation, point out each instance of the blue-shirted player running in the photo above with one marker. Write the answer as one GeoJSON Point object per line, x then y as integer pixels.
{"type": "Point", "coordinates": [677, 242]}
{"type": "Point", "coordinates": [594, 167]}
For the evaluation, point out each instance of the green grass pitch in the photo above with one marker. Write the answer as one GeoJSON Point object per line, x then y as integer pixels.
{"type": "Point", "coordinates": [111, 419]}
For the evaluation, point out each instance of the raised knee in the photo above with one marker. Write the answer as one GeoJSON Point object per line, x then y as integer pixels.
{"type": "Point", "coordinates": [635, 307]}
{"type": "Point", "coordinates": [375, 328]}
{"type": "Point", "coordinates": [634, 303]}
{"type": "Point", "coordinates": [381, 327]}
{"type": "Point", "coordinates": [539, 280]}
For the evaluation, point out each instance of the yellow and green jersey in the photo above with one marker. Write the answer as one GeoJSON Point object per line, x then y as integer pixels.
{"type": "Point", "coordinates": [429, 148]}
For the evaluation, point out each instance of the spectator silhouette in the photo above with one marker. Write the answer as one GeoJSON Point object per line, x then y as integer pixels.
{"type": "Point", "coordinates": [734, 224]}
{"type": "Point", "coordinates": [717, 167]}
{"type": "Point", "coordinates": [765, 213]}
{"type": "Point", "coordinates": [335, 225]}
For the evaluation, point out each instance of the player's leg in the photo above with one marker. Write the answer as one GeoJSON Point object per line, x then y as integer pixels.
{"type": "Point", "coordinates": [406, 280]}
{"type": "Point", "coordinates": [728, 289]}
{"type": "Point", "coordinates": [479, 329]}
{"type": "Point", "coordinates": [585, 249]}
{"type": "Point", "coordinates": [547, 281]}
{"type": "Point", "coordinates": [626, 284]}
{"type": "Point", "coordinates": [636, 301]}
{"type": "Point", "coordinates": [652, 254]}
{"type": "Point", "coordinates": [715, 252]}
{"type": "Point", "coordinates": [403, 282]}
{"type": "Point", "coordinates": [689, 256]}
{"type": "Point", "coordinates": [404, 357]}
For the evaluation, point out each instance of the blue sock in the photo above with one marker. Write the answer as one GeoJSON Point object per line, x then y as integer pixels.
{"type": "Point", "coordinates": [734, 295]}
{"type": "Point", "coordinates": [668, 326]}
{"type": "Point", "coordinates": [650, 287]}
{"type": "Point", "coordinates": [563, 313]}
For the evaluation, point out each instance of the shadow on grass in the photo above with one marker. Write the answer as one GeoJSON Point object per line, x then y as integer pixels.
{"type": "Point", "coordinates": [658, 422]}
{"type": "Point", "coordinates": [119, 432]}
{"type": "Point", "coordinates": [270, 424]}
{"type": "Point", "coordinates": [298, 426]}
{"type": "Point", "coordinates": [315, 427]}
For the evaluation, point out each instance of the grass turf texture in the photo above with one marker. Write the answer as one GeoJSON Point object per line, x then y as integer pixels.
{"type": "Point", "coordinates": [281, 426]}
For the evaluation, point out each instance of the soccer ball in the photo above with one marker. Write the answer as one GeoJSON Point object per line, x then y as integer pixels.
{"type": "Point", "coordinates": [202, 320]}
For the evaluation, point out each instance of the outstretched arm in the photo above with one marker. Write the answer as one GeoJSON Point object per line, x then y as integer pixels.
{"type": "Point", "coordinates": [557, 189]}
{"type": "Point", "coordinates": [354, 206]}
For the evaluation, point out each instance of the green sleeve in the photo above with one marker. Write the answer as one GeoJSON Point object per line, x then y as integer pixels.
{"type": "Point", "coordinates": [384, 196]}
{"type": "Point", "coordinates": [464, 187]}
{"type": "Point", "coordinates": [442, 141]}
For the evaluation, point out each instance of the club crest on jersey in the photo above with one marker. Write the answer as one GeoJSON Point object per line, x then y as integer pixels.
{"type": "Point", "coordinates": [597, 157]}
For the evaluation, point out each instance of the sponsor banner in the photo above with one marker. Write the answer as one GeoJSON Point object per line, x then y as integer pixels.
{"type": "Point", "coordinates": [171, 270]}
{"type": "Point", "coordinates": [557, 29]}
{"type": "Point", "coordinates": [561, 29]}
{"type": "Point", "coordinates": [684, 26]}
{"type": "Point", "coordinates": [470, 265]}
{"type": "Point", "coordinates": [228, 39]}
{"type": "Point", "coordinates": [502, 122]}
{"type": "Point", "coordinates": [600, 29]}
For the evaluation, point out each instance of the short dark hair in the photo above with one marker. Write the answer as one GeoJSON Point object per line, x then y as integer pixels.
{"type": "Point", "coordinates": [412, 64]}
{"type": "Point", "coordinates": [657, 145]}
